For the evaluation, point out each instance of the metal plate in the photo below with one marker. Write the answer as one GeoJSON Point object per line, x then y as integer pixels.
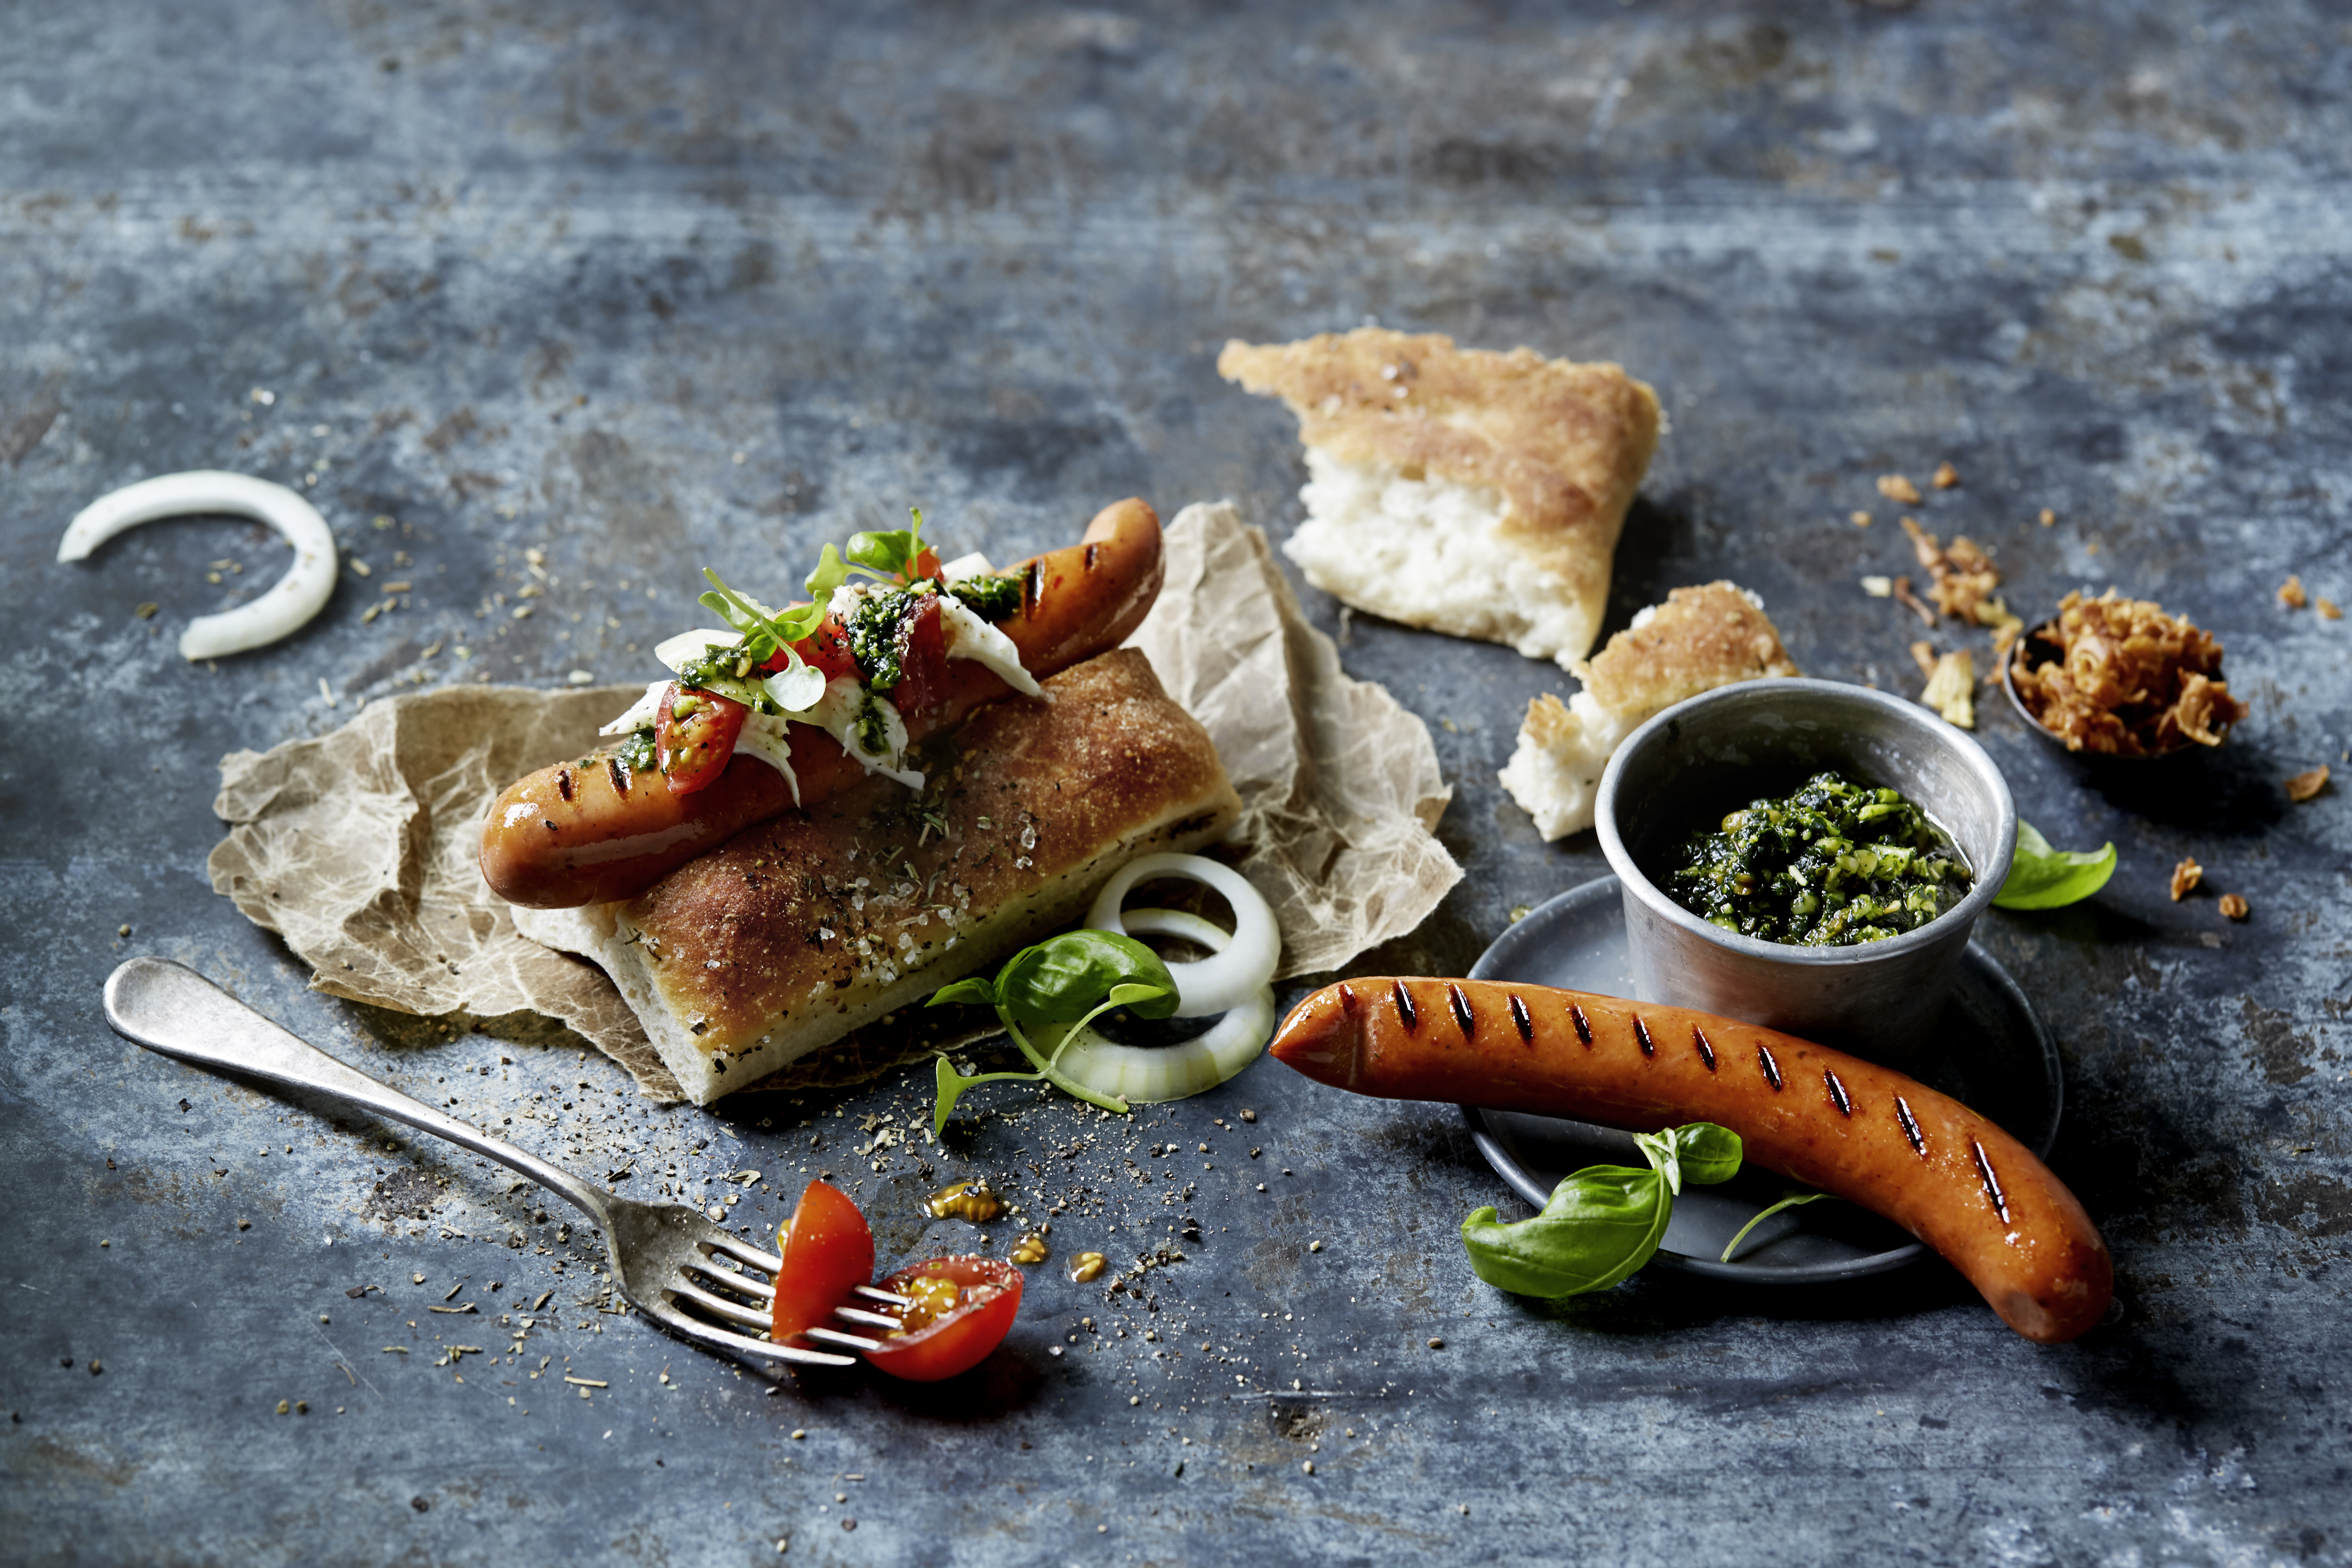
{"type": "Point", "coordinates": [1991, 1052]}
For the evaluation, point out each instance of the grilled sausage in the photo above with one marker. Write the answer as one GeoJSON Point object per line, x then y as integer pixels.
{"type": "Point", "coordinates": [1865, 1132]}
{"type": "Point", "coordinates": [587, 831]}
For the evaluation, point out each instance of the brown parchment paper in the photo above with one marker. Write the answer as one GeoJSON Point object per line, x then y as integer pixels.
{"type": "Point", "coordinates": [1340, 785]}
{"type": "Point", "coordinates": [358, 847]}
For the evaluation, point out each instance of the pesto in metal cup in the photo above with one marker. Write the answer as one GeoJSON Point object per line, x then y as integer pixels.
{"type": "Point", "coordinates": [1706, 757]}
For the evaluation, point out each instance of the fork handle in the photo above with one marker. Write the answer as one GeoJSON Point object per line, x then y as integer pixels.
{"type": "Point", "coordinates": [171, 1009]}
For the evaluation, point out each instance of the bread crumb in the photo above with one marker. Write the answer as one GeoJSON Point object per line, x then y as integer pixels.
{"type": "Point", "coordinates": [2304, 785]}
{"type": "Point", "coordinates": [2049, 517]}
{"type": "Point", "coordinates": [1878, 587]}
{"type": "Point", "coordinates": [1895, 487]}
{"type": "Point", "coordinates": [1946, 476]}
{"type": "Point", "coordinates": [2328, 610]}
{"type": "Point", "coordinates": [2234, 907]}
{"type": "Point", "coordinates": [2290, 595]}
{"type": "Point", "coordinates": [1923, 654]}
{"type": "Point", "coordinates": [1700, 638]}
{"type": "Point", "coordinates": [2185, 878]}
{"type": "Point", "coordinates": [1951, 688]}
{"type": "Point", "coordinates": [1859, 519]}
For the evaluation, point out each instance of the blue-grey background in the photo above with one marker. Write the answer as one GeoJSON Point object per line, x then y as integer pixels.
{"type": "Point", "coordinates": [652, 287]}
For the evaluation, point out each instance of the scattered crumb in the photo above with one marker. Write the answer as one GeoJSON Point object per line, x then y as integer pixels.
{"type": "Point", "coordinates": [1951, 688]}
{"type": "Point", "coordinates": [1923, 654]}
{"type": "Point", "coordinates": [1895, 487]}
{"type": "Point", "coordinates": [1859, 519]}
{"type": "Point", "coordinates": [2328, 610]}
{"type": "Point", "coordinates": [1878, 587]}
{"type": "Point", "coordinates": [2049, 517]}
{"type": "Point", "coordinates": [2236, 908]}
{"type": "Point", "coordinates": [1911, 602]}
{"type": "Point", "coordinates": [2303, 785]}
{"type": "Point", "coordinates": [2185, 878]}
{"type": "Point", "coordinates": [2290, 594]}
{"type": "Point", "coordinates": [1964, 578]}
{"type": "Point", "coordinates": [1946, 476]}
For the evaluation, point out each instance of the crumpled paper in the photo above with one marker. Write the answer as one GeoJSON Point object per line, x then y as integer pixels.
{"type": "Point", "coordinates": [359, 847]}
{"type": "Point", "coordinates": [1340, 785]}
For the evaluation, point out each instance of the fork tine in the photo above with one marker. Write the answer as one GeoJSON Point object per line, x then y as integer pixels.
{"type": "Point", "coordinates": [744, 1252]}
{"type": "Point", "coordinates": [718, 1306]}
{"type": "Point", "coordinates": [853, 1315]}
{"type": "Point", "coordinates": [886, 1296]}
{"type": "Point", "coordinates": [748, 1349]}
{"type": "Point", "coordinates": [835, 1337]}
{"type": "Point", "coordinates": [741, 1284]}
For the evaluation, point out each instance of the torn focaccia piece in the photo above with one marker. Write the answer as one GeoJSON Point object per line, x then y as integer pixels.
{"type": "Point", "coordinates": [1700, 638]}
{"type": "Point", "coordinates": [810, 924]}
{"type": "Point", "coordinates": [1460, 489]}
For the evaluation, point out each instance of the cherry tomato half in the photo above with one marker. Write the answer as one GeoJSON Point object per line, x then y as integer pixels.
{"type": "Point", "coordinates": [694, 736]}
{"type": "Point", "coordinates": [826, 648]}
{"type": "Point", "coordinates": [927, 565]}
{"type": "Point", "coordinates": [827, 1252]}
{"type": "Point", "coordinates": [964, 1307]}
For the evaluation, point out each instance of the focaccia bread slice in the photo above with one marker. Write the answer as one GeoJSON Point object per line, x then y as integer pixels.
{"type": "Point", "coordinates": [809, 925]}
{"type": "Point", "coordinates": [1700, 638]}
{"type": "Point", "coordinates": [1460, 490]}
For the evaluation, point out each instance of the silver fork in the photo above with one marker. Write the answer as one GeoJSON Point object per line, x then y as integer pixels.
{"type": "Point", "coordinates": [667, 1258]}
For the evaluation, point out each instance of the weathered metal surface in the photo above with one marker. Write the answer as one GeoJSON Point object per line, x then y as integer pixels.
{"type": "Point", "coordinates": [708, 284]}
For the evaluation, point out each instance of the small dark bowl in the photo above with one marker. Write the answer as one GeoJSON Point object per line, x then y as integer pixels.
{"type": "Point", "coordinates": [2083, 755]}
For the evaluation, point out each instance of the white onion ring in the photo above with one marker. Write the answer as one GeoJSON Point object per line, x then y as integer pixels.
{"type": "Point", "coordinates": [1150, 1075]}
{"type": "Point", "coordinates": [290, 602]}
{"type": "Point", "coordinates": [1227, 979]}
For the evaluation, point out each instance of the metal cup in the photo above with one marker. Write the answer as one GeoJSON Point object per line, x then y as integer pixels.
{"type": "Point", "coordinates": [1718, 750]}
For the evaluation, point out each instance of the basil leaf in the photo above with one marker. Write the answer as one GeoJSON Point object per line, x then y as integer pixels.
{"type": "Point", "coordinates": [1602, 1223]}
{"type": "Point", "coordinates": [1795, 1197]}
{"type": "Point", "coordinates": [1664, 1156]}
{"type": "Point", "coordinates": [829, 574]}
{"type": "Point", "coordinates": [978, 992]}
{"type": "Point", "coordinates": [888, 554]}
{"type": "Point", "coordinates": [1707, 1153]}
{"type": "Point", "coordinates": [951, 1085]}
{"type": "Point", "coordinates": [1134, 995]}
{"type": "Point", "coordinates": [1061, 979]}
{"type": "Point", "coordinates": [2043, 878]}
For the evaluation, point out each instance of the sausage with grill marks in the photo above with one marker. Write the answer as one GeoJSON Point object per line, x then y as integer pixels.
{"type": "Point", "coordinates": [589, 831]}
{"type": "Point", "coordinates": [1862, 1131]}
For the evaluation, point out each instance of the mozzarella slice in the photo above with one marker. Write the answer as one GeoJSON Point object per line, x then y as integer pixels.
{"type": "Point", "coordinates": [970, 637]}
{"type": "Point", "coordinates": [763, 737]}
{"type": "Point", "coordinates": [642, 712]}
{"type": "Point", "coordinates": [837, 713]}
{"type": "Point", "coordinates": [677, 652]}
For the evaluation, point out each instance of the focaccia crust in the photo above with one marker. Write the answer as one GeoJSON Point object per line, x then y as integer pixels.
{"type": "Point", "coordinates": [806, 926]}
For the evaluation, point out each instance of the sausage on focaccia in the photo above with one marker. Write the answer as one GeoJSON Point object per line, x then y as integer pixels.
{"type": "Point", "coordinates": [589, 830]}
{"type": "Point", "coordinates": [1862, 1131]}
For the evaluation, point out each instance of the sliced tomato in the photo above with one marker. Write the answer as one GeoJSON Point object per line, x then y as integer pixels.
{"type": "Point", "coordinates": [923, 657]}
{"type": "Point", "coordinates": [694, 736]}
{"type": "Point", "coordinates": [826, 648]}
{"type": "Point", "coordinates": [927, 565]}
{"type": "Point", "coordinates": [827, 1252]}
{"type": "Point", "coordinates": [964, 1307]}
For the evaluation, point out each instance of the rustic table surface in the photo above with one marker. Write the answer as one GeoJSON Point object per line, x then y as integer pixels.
{"type": "Point", "coordinates": [661, 287]}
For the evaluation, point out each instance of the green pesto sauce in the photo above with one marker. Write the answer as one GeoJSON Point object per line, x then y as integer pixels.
{"type": "Point", "coordinates": [637, 752]}
{"type": "Point", "coordinates": [990, 597]}
{"type": "Point", "coordinates": [874, 639]}
{"type": "Point", "coordinates": [873, 730]}
{"type": "Point", "coordinates": [1836, 862]}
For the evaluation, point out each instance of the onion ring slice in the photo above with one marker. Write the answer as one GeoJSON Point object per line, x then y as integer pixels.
{"type": "Point", "coordinates": [290, 602]}
{"type": "Point", "coordinates": [1228, 978]}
